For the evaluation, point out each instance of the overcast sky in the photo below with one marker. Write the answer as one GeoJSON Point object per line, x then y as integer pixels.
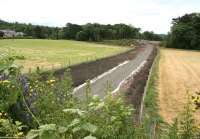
{"type": "Point", "coordinates": [151, 15]}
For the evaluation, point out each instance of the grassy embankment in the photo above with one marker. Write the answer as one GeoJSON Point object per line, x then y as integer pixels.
{"type": "Point", "coordinates": [151, 117]}
{"type": "Point", "coordinates": [56, 53]}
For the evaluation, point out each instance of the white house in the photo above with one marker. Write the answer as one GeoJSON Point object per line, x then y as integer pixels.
{"type": "Point", "coordinates": [11, 33]}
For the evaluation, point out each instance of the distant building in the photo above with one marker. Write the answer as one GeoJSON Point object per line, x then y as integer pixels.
{"type": "Point", "coordinates": [1, 34]}
{"type": "Point", "coordinates": [11, 33]}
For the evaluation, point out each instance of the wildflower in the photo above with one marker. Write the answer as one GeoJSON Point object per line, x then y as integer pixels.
{"type": "Point", "coordinates": [20, 134]}
{"type": "Point", "coordinates": [194, 109]}
{"type": "Point", "coordinates": [26, 88]}
{"type": "Point", "coordinates": [51, 81]}
{"type": "Point", "coordinates": [198, 126]}
{"type": "Point", "coordinates": [194, 99]}
{"type": "Point", "coordinates": [198, 100]}
{"type": "Point", "coordinates": [22, 80]}
{"type": "Point", "coordinates": [3, 77]}
{"type": "Point", "coordinates": [6, 81]}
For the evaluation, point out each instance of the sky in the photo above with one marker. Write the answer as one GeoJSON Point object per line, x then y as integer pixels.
{"type": "Point", "coordinates": [149, 15]}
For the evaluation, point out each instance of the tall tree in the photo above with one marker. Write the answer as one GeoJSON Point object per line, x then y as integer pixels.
{"type": "Point", "coordinates": [185, 32]}
{"type": "Point", "coordinates": [71, 30]}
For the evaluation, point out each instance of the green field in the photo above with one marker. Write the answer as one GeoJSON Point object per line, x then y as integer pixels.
{"type": "Point", "coordinates": [48, 54]}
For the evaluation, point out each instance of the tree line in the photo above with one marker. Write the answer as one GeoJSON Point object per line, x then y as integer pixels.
{"type": "Point", "coordinates": [87, 32]}
{"type": "Point", "coordinates": [185, 32]}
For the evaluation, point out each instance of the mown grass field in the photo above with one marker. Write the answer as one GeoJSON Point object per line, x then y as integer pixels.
{"type": "Point", "coordinates": [48, 54]}
{"type": "Point", "coordinates": [179, 73]}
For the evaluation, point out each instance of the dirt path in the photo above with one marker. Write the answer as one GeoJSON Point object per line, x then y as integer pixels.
{"type": "Point", "coordinates": [179, 73]}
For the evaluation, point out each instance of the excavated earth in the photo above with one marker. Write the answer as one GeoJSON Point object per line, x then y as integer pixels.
{"type": "Point", "coordinates": [135, 86]}
{"type": "Point", "coordinates": [87, 71]}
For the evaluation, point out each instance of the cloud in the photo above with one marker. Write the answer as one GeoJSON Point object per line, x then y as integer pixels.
{"type": "Point", "coordinates": [149, 15]}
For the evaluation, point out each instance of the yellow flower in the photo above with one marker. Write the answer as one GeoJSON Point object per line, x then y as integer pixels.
{"type": "Point", "coordinates": [198, 100]}
{"type": "Point", "coordinates": [193, 109]}
{"type": "Point", "coordinates": [52, 81]}
{"type": "Point", "coordinates": [198, 126]}
{"type": "Point", "coordinates": [6, 81]}
{"type": "Point", "coordinates": [20, 133]}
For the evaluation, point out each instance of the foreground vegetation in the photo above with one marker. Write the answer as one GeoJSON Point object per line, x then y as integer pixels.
{"type": "Point", "coordinates": [49, 54]}
{"type": "Point", "coordinates": [51, 111]}
{"type": "Point", "coordinates": [36, 108]}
